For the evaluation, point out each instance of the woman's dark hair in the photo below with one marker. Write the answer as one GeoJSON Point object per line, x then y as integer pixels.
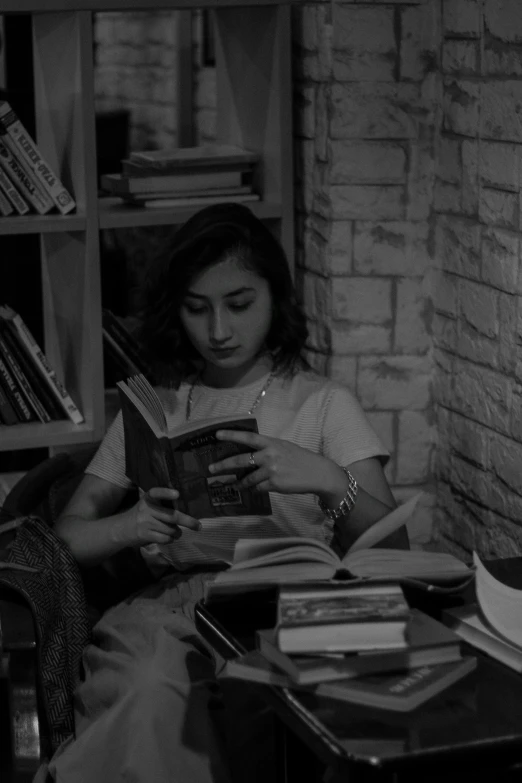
{"type": "Point", "coordinates": [208, 237]}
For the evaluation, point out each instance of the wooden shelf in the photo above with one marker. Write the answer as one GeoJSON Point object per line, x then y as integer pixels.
{"type": "Point", "coordinates": [254, 111]}
{"type": "Point", "coordinates": [41, 224]}
{"type": "Point", "coordinates": [113, 213]}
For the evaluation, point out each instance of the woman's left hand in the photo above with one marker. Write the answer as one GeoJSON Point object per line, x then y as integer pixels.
{"type": "Point", "coordinates": [281, 466]}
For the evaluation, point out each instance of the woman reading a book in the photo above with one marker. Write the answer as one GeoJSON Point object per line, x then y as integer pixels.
{"type": "Point", "coordinates": [226, 335]}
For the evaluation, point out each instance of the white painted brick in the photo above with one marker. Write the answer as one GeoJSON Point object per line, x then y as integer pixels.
{"type": "Point", "coordinates": [444, 332]}
{"type": "Point", "coordinates": [354, 162]}
{"type": "Point", "coordinates": [508, 305]}
{"type": "Point", "coordinates": [506, 459]}
{"type": "Point", "coordinates": [500, 118]}
{"type": "Point", "coordinates": [420, 181]}
{"type": "Point", "coordinates": [305, 26]}
{"type": "Point", "coordinates": [364, 44]}
{"type": "Point", "coordinates": [504, 20]}
{"type": "Point", "coordinates": [420, 37]}
{"type": "Point", "coordinates": [322, 130]}
{"type": "Point", "coordinates": [391, 248]}
{"type": "Point", "coordinates": [483, 395]}
{"type": "Point", "coordinates": [343, 369]}
{"type": "Point", "coordinates": [461, 106]}
{"type": "Point", "coordinates": [499, 208]}
{"type": "Point", "coordinates": [447, 198]}
{"type": "Point", "coordinates": [501, 260]}
{"type": "Point", "coordinates": [304, 111]}
{"type": "Point", "coordinates": [361, 300]}
{"type": "Point", "coordinates": [469, 440]}
{"type": "Point", "coordinates": [515, 428]}
{"type": "Point", "coordinates": [443, 288]}
{"type": "Point", "coordinates": [318, 337]}
{"type": "Point", "coordinates": [458, 246]}
{"type": "Point", "coordinates": [348, 338]}
{"type": "Point", "coordinates": [449, 163]}
{"type": "Point", "coordinates": [470, 177]}
{"type": "Point", "coordinates": [499, 165]}
{"type": "Point", "coordinates": [476, 348]}
{"type": "Point", "coordinates": [341, 247]}
{"type": "Point", "coordinates": [413, 318]}
{"type": "Point", "coordinates": [394, 382]}
{"type": "Point", "coordinates": [460, 57]}
{"type": "Point", "coordinates": [479, 307]}
{"type": "Point", "coordinates": [461, 18]}
{"type": "Point", "coordinates": [363, 202]}
{"type": "Point", "coordinates": [378, 111]}
{"type": "Point", "coordinates": [414, 448]}
{"type": "Point", "coordinates": [504, 61]}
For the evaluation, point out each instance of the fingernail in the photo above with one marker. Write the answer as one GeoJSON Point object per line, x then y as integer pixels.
{"type": "Point", "coordinates": [211, 468]}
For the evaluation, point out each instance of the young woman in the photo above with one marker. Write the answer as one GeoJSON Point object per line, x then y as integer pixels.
{"type": "Point", "coordinates": [226, 335]}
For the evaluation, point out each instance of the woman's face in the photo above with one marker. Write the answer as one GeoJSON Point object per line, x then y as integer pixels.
{"type": "Point", "coordinates": [227, 313]}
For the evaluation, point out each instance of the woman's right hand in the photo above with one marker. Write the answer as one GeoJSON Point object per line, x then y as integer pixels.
{"type": "Point", "coordinates": [150, 522]}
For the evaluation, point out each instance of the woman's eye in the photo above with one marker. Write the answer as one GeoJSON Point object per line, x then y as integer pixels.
{"type": "Point", "coordinates": [194, 310]}
{"type": "Point", "coordinates": [238, 306]}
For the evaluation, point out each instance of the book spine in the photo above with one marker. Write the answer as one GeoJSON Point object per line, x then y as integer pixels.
{"type": "Point", "coordinates": [48, 374]}
{"type": "Point", "coordinates": [23, 383]}
{"type": "Point", "coordinates": [24, 413]}
{"type": "Point", "coordinates": [8, 414]}
{"type": "Point", "coordinates": [6, 208]}
{"type": "Point", "coordinates": [18, 202]}
{"type": "Point", "coordinates": [28, 150]}
{"type": "Point", "coordinates": [15, 169]}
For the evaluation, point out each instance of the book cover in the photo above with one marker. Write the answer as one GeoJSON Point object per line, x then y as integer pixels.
{"type": "Point", "coordinates": [28, 369]}
{"type": "Point", "coordinates": [341, 618]}
{"type": "Point", "coordinates": [15, 396]}
{"type": "Point", "coordinates": [22, 145]}
{"type": "Point", "coordinates": [428, 642]}
{"type": "Point", "coordinates": [208, 155]}
{"type": "Point", "coordinates": [15, 169]}
{"type": "Point", "coordinates": [471, 626]}
{"type": "Point", "coordinates": [6, 208]}
{"type": "Point", "coordinates": [196, 201]}
{"type": "Point", "coordinates": [21, 379]}
{"type": "Point", "coordinates": [16, 199]}
{"type": "Point", "coordinates": [400, 692]}
{"type": "Point", "coordinates": [155, 456]}
{"type": "Point", "coordinates": [48, 374]}
{"type": "Point", "coordinates": [174, 184]}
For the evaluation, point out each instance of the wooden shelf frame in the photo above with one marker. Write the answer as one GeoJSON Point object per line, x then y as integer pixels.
{"type": "Point", "coordinates": [254, 100]}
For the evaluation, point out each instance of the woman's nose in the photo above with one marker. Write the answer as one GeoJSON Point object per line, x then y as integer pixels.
{"type": "Point", "coordinates": [220, 330]}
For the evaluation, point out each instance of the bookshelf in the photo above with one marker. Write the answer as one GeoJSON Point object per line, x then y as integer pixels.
{"type": "Point", "coordinates": [254, 100]}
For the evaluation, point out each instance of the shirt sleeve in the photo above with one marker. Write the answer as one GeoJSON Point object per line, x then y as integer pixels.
{"type": "Point", "coordinates": [109, 461]}
{"type": "Point", "coordinates": [347, 434]}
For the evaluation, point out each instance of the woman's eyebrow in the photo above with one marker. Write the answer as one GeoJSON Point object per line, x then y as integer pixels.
{"type": "Point", "coordinates": [242, 290]}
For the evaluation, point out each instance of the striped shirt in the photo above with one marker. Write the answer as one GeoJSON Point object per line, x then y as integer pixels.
{"type": "Point", "coordinates": [309, 410]}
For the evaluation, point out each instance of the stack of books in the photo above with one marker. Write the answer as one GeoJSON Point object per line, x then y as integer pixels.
{"type": "Point", "coordinates": [185, 176]}
{"type": "Point", "coordinates": [360, 644]}
{"type": "Point", "coordinates": [30, 390]}
{"type": "Point", "coordinates": [28, 184]}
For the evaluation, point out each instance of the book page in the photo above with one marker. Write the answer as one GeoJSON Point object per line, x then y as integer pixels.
{"type": "Point", "coordinates": [385, 526]}
{"type": "Point", "coordinates": [254, 552]}
{"type": "Point", "coordinates": [406, 563]}
{"type": "Point", "coordinates": [500, 604]}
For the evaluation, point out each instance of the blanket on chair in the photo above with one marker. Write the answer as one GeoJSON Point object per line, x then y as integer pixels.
{"type": "Point", "coordinates": [55, 593]}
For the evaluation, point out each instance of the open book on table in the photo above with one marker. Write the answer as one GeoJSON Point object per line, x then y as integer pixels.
{"type": "Point", "coordinates": [281, 560]}
{"type": "Point", "coordinates": [158, 457]}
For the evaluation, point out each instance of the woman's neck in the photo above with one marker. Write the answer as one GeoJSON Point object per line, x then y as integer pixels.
{"type": "Point", "coordinates": [223, 378]}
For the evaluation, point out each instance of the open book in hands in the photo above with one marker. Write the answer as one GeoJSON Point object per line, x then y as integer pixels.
{"type": "Point", "coordinates": [282, 560]}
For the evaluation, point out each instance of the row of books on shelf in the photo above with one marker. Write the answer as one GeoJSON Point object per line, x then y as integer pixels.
{"type": "Point", "coordinates": [28, 184]}
{"type": "Point", "coordinates": [30, 390]}
{"type": "Point", "coordinates": [185, 176]}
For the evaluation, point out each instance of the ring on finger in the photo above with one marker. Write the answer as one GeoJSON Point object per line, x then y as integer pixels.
{"type": "Point", "coordinates": [251, 460]}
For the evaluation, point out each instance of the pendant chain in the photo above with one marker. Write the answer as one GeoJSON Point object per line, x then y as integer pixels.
{"type": "Point", "coordinates": [252, 409]}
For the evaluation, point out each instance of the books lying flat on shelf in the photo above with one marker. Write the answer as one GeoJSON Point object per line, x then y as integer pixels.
{"type": "Point", "coordinates": [158, 457]}
{"type": "Point", "coordinates": [23, 147]}
{"type": "Point", "coordinates": [196, 201]}
{"type": "Point", "coordinates": [205, 156]}
{"type": "Point", "coordinates": [173, 184]}
{"type": "Point", "coordinates": [341, 618]}
{"type": "Point", "coordinates": [44, 376]}
{"type": "Point", "coordinates": [293, 559]}
{"type": "Point", "coordinates": [397, 691]}
{"type": "Point", "coordinates": [469, 623]}
{"type": "Point", "coordinates": [428, 642]}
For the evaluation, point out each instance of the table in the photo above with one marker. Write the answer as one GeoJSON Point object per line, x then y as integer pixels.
{"type": "Point", "coordinates": [472, 731]}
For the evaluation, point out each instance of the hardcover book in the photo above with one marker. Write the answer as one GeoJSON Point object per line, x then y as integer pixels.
{"type": "Point", "coordinates": [158, 457]}
{"type": "Point", "coordinates": [205, 156]}
{"type": "Point", "coordinates": [20, 175]}
{"type": "Point", "coordinates": [341, 618]}
{"type": "Point", "coordinates": [471, 626]}
{"type": "Point", "coordinates": [173, 184]}
{"type": "Point", "coordinates": [399, 692]}
{"type": "Point", "coordinates": [428, 642]}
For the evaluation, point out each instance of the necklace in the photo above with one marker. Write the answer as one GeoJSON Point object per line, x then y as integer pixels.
{"type": "Point", "coordinates": [256, 402]}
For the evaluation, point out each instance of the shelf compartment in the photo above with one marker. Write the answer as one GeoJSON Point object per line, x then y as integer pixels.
{"type": "Point", "coordinates": [42, 224]}
{"type": "Point", "coordinates": [38, 435]}
{"type": "Point", "coordinates": [113, 213]}
{"type": "Point", "coordinates": [40, 6]}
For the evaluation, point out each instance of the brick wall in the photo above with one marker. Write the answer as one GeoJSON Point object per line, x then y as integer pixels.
{"type": "Point", "coordinates": [477, 325]}
{"type": "Point", "coordinates": [368, 97]}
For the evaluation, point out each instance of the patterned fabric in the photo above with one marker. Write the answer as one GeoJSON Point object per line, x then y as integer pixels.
{"type": "Point", "coordinates": [56, 597]}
